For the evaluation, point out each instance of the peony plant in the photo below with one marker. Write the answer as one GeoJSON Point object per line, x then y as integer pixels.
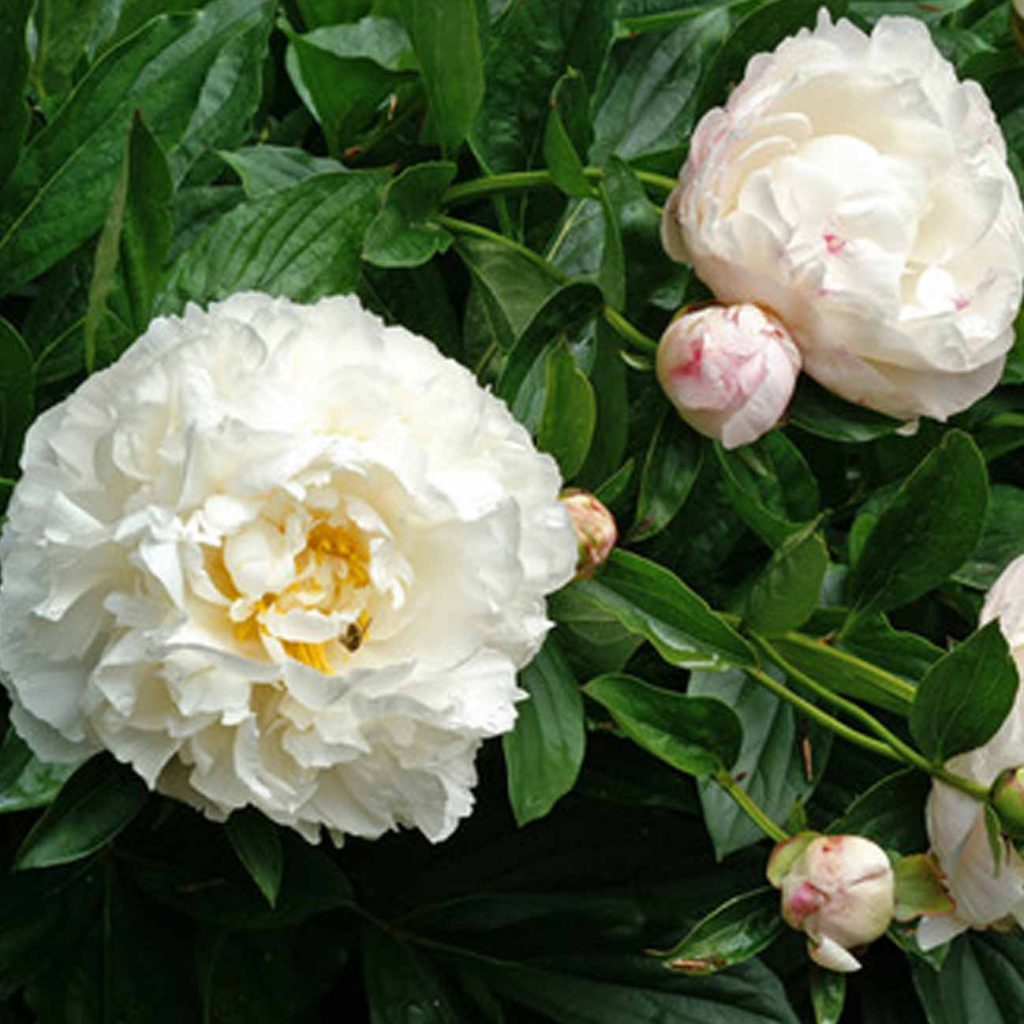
{"type": "Point", "coordinates": [511, 511]}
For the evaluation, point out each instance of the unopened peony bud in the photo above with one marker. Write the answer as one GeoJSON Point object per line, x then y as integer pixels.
{"type": "Point", "coordinates": [1007, 799]}
{"type": "Point", "coordinates": [838, 890]}
{"type": "Point", "coordinates": [729, 370]}
{"type": "Point", "coordinates": [596, 532]}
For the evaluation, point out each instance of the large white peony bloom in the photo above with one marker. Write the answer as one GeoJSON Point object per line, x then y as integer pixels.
{"type": "Point", "coordinates": [281, 556]}
{"type": "Point", "coordinates": [856, 188]}
{"type": "Point", "coordinates": [984, 895]}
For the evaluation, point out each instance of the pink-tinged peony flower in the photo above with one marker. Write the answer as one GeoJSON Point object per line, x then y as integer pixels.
{"type": "Point", "coordinates": [985, 894]}
{"type": "Point", "coordinates": [838, 890]}
{"type": "Point", "coordinates": [855, 187]}
{"type": "Point", "coordinates": [729, 371]}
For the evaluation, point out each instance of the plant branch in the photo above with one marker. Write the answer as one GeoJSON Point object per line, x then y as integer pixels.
{"type": "Point", "coordinates": [527, 181]}
{"type": "Point", "coordinates": [750, 808]}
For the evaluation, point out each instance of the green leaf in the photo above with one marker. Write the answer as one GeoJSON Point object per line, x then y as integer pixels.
{"type": "Point", "coordinates": [697, 735]}
{"type": "Point", "coordinates": [302, 242]}
{"type": "Point", "coordinates": [648, 105]}
{"type": "Point", "coordinates": [611, 273]}
{"type": "Point", "coordinates": [674, 458]}
{"type": "Point", "coordinates": [611, 431]}
{"type": "Point", "coordinates": [446, 39]}
{"type": "Point", "coordinates": [828, 995]}
{"type": "Point", "coordinates": [13, 73]}
{"type": "Point", "coordinates": [134, 239]}
{"type": "Point", "coordinates": [316, 13]}
{"type": "Point", "coordinates": [928, 529]}
{"type": "Point", "coordinates": [770, 486]}
{"type": "Point", "coordinates": [523, 382]}
{"type": "Point", "coordinates": [1002, 539]}
{"type": "Point", "coordinates": [513, 288]}
{"type": "Point", "coordinates": [785, 593]}
{"type": "Point", "coordinates": [26, 782]}
{"type": "Point", "coordinates": [570, 409]}
{"type": "Point", "coordinates": [544, 752]}
{"type": "Point", "coordinates": [257, 842]}
{"type": "Point", "coordinates": [567, 134]}
{"type": "Point", "coordinates": [594, 639]}
{"type": "Point", "coordinates": [982, 980]}
{"type": "Point", "coordinates": [345, 73]}
{"type": "Point", "coordinates": [824, 661]}
{"type": "Point", "coordinates": [635, 990]}
{"type": "Point", "coordinates": [822, 413]}
{"type": "Point", "coordinates": [17, 385]}
{"type": "Point", "coordinates": [652, 602]}
{"type": "Point", "coordinates": [401, 986]}
{"type": "Point", "coordinates": [59, 192]}
{"type": "Point", "coordinates": [95, 805]}
{"type": "Point", "coordinates": [739, 929]}
{"type": "Point", "coordinates": [777, 752]}
{"type": "Point", "coordinates": [891, 812]}
{"type": "Point", "coordinates": [532, 44]}
{"type": "Point", "coordinates": [62, 30]}
{"type": "Point", "coordinates": [965, 696]}
{"type": "Point", "coordinates": [403, 234]}
{"type": "Point", "coordinates": [265, 169]}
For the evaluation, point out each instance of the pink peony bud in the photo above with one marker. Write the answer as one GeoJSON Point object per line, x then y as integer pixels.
{"type": "Point", "coordinates": [596, 532]}
{"type": "Point", "coordinates": [729, 371]}
{"type": "Point", "coordinates": [839, 890]}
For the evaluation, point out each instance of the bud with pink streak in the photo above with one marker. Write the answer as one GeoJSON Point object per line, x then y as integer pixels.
{"type": "Point", "coordinates": [595, 529]}
{"type": "Point", "coordinates": [729, 371]}
{"type": "Point", "coordinates": [838, 890]}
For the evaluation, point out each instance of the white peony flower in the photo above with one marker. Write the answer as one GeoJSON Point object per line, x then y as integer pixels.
{"type": "Point", "coordinates": [729, 371]}
{"type": "Point", "coordinates": [855, 187]}
{"type": "Point", "coordinates": [984, 895]}
{"type": "Point", "coordinates": [281, 556]}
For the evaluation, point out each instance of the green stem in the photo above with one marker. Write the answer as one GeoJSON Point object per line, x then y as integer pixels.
{"type": "Point", "coordinates": [526, 181]}
{"type": "Point", "coordinates": [823, 718]}
{"type": "Point", "coordinates": [904, 751]}
{"type": "Point", "coordinates": [612, 317]}
{"type": "Point", "coordinates": [745, 802]}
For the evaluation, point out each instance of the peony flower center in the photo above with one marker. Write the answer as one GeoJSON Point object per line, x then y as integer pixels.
{"type": "Point", "coordinates": [322, 613]}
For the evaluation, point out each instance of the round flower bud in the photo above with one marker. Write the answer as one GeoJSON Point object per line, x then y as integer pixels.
{"type": "Point", "coordinates": [839, 891]}
{"type": "Point", "coordinates": [595, 529]}
{"type": "Point", "coordinates": [283, 556]}
{"type": "Point", "coordinates": [855, 187]}
{"type": "Point", "coordinates": [987, 891]}
{"type": "Point", "coordinates": [728, 370]}
{"type": "Point", "coordinates": [1007, 801]}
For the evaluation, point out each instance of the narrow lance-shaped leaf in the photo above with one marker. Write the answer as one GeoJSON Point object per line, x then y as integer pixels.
{"type": "Point", "coordinates": [445, 36]}
{"type": "Point", "coordinates": [965, 696]}
{"type": "Point", "coordinates": [135, 238]}
{"type": "Point", "coordinates": [696, 735]}
{"type": "Point", "coordinates": [739, 929]}
{"type": "Point", "coordinates": [96, 804]}
{"type": "Point", "coordinates": [567, 134]}
{"type": "Point", "coordinates": [544, 752]}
